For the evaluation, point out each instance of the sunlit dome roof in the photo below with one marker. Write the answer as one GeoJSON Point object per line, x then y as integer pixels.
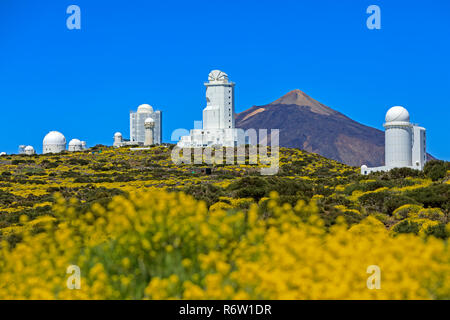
{"type": "Point", "coordinates": [397, 113]}
{"type": "Point", "coordinates": [217, 75]}
{"type": "Point", "coordinates": [149, 120]}
{"type": "Point", "coordinates": [145, 108]}
{"type": "Point", "coordinates": [75, 142]}
{"type": "Point", "coordinates": [2, 153]}
{"type": "Point", "coordinates": [29, 148]}
{"type": "Point", "coordinates": [54, 138]}
{"type": "Point", "coordinates": [117, 134]}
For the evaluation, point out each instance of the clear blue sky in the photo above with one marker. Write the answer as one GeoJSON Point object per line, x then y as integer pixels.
{"type": "Point", "coordinates": [84, 82]}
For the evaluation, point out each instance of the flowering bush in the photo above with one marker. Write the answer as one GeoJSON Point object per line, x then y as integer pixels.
{"type": "Point", "coordinates": [407, 210]}
{"type": "Point", "coordinates": [160, 245]}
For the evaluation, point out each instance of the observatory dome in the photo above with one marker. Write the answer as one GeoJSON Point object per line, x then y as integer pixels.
{"type": "Point", "coordinates": [149, 120]}
{"type": "Point", "coordinates": [75, 142]}
{"type": "Point", "coordinates": [29, 148]}
{"type": "Point", "coordinates": [217, 75]}
{"type": "Point", "coordinates": [397, 113]}
{"type": "Point", "coordinates": [75, 145]}
{"type": "Point", "coordinates": [54, 138]}
{"type": "Point", "coordinates": [145, 108]}
{"type": "Point", "coordinates": [117, 134]}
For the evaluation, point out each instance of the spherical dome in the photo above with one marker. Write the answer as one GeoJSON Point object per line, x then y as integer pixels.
{"type": "Point", "coordinates": [75, 142]}
{"type": "Point", "coordinates": [117, 134]}
{"type": "Point", "coordinates": [145, 108]}
{"type": "Point", "coordinates": [397, 113]}
{"type": "Point", "coordinates": [149, 123]}
{"type": "Point", "coordinates": [2, 153]}
{"type": "Point", "coordinates": [363, 166]}
{"type": "Point", "coordinates": [54, 138]}
{"type": "Point", "coordinates": [29, 148]}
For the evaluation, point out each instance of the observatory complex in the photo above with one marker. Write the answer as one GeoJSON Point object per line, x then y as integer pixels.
{"type": "Point", "coordinates": [55, 142]}
{"type": "Point", "coordinates": [144, 122]}
{"type": "Point", "coordinates": [218, 116]}
{"type": "Point", "coordinates": [405, 143]}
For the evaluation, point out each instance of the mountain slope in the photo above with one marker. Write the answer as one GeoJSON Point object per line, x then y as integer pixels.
{"type": "Point", "coordinates": [309, 125]}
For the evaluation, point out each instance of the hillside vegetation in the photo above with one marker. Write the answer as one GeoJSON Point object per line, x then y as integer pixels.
{"type": "Point", "coordinates": [140, 226]}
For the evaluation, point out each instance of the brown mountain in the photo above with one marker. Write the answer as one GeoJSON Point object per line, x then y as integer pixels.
{"type": "Point", "coordinates": [309, 125]}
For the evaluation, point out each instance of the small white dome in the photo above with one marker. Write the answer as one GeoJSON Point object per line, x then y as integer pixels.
{"type": "Point", "coordinates": [117, 134]}
{"type": "Point", "coordinates": [397, 113]}
{"type": "Point", "coordinates": [54, 138]}
{"type": "Point", "coordinates": [2, 153]}
{"type": "Point", "coordinates": [29, 148]}
{"type": "Point", "coordinates": [149, 120]}
{"type": "Point", "coordinates": [145, 108]}
{"type": "Point", "coordinates": [363, 166]}
{"type": "Point", "coordinates": [75, 142]}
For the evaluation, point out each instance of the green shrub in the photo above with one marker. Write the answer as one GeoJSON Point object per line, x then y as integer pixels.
{"type": "Point", "coordinates": [401, 173]}
{"type": "Point", "coordinates": [438, 231]}
{"type": "Point", "coordinates": [433, 196]}
{"type": "Point", "coordinates": [206, 192]}
{"type": "Point", "coordinates": [436, 169]}
{"type": "Point", "coordinates": [407, 226]}
{"type": "Point", "coordinates": [384, 201]}
{"type": "Point", "coordinates": [405, 211]}
{"type": "Point", "coordinates": [431, 213]}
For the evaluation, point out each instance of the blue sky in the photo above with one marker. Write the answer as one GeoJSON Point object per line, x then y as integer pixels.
{"type": "Point", "coordinates": [84, 82]}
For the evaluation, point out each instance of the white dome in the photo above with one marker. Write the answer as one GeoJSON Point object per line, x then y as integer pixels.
{"type": "Point", "coordinates": [149, 120]}
{"type": "Point", "coordinates": [397, 113]}
{"type": "Point", "coordinates": [54, 138]}
{"type": "Point", "coordinates": [117, 134]}
{"type": "Point", "coordinates": [145, 108]}
{"type": "Point", "coordinates": [29, 148]}
{"type": "Point", "coordinates": [2, 153]}
{"type": "Point", "coordinates": [75, 142]}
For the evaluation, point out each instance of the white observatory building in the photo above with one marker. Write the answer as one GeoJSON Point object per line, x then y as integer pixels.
{"type": "Point", "coordinates": [137, 124]}
{"type": "Point", "coordinates": [405, 143]}
{"type": "Point", "coordinates": [77, 145]}
{"type": "Point", "coordinates": [118, 140]}
{"type": "Point", "coordinates": [29, 150]}
{"type": "Point", "coordinates": [54, 142]}
{"type": "Point", "coordinates": [218, 116]}
{"type": "Point", "coordinates": [138, 129]}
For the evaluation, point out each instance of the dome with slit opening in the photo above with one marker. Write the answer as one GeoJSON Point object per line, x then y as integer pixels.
{"type": "Point", "coordinates": [397, 113]}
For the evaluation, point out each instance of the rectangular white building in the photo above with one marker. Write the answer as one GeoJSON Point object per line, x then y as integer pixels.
{"type": "Point", "coordinates": [137, 124]}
